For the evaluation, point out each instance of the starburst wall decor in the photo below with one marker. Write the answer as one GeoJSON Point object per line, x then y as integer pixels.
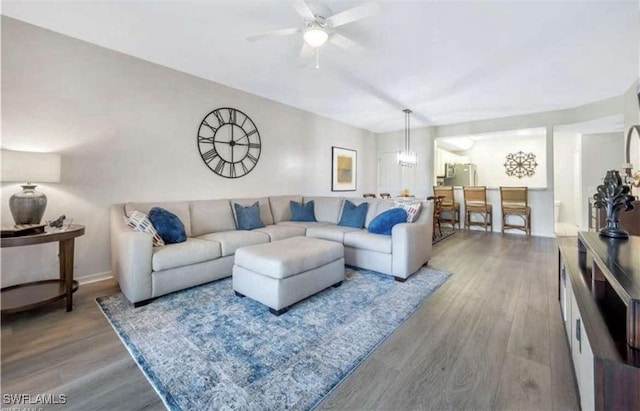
{"type": "Point", "coordinates": [520, 164]}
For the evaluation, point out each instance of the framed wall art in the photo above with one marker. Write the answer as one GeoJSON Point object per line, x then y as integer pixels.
{"type": "Point", "coordinates": [344, 166]}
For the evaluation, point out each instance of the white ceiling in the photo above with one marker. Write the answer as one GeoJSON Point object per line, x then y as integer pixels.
{"type": "Point", "coordinates": [448, 61]}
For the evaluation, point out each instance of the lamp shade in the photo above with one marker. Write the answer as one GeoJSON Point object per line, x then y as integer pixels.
{"type": "Point", "coordinates": [22, 166]}
{"type": "Point", "coordinates": [315, 36]}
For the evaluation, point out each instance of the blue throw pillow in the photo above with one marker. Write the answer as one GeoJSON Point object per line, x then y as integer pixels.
{"type": "Point", "coordinates": [301, 212]}
{"type": "Point", "coordinates": [384, 222]}
{"type": "Point", "coordinates": [168, 225]}
{"type": "Point", "coordinates": [248, 217]}
{"type": "Point", "coordinates": [352, 215]}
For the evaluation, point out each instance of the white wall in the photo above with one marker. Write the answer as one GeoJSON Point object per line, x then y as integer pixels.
{"type": "Point", "coordinates": [600, 153]}
{"type": "Point", "coordinates": [127, 129]}
{"type": "Point", "coordinates": [419, 180]}
{"type": "Point", "coordinates": [565, 146]}
{"type": "Point", "coordinates": [489, 155]}
{"type": "Point", "coordinates": [549, 119]}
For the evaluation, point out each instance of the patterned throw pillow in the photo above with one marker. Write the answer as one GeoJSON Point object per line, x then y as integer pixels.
{"type": "Point", "coordinates": [412, 208]}
{"type": "Point", "coordinates": [139, 221]}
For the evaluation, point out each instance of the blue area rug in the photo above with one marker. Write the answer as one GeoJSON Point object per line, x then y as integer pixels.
{"type": "Point", "coordinates": [205, 348]}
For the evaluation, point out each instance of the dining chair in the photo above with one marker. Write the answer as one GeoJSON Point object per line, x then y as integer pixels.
{"type": "Point", "coordinates": [437, 208]}
{"type": "Point", "coordinates": [449, 208]}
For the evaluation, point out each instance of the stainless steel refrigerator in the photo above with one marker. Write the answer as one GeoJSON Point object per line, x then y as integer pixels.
{"type": "Point", "coordinates": [461, 175]}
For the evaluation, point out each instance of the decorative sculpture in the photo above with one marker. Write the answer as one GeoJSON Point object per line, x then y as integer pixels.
{"type": "Point", "coordinates": [58, 222]}
{"type": "Point", "coordinates": [614, 197]}
{"type": "Point", "coordinates": [520, 164]}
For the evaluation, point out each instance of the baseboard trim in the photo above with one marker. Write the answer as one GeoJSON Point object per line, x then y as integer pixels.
{"type": "Point", "coordinates": [94, 278]}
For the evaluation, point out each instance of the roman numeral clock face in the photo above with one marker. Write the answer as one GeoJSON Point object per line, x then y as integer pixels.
{"type": "Point", "coordinates": [229, 142]}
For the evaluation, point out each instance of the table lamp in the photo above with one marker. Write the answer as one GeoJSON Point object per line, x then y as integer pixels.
{"type": "Point", "coordinates": [27, 207]}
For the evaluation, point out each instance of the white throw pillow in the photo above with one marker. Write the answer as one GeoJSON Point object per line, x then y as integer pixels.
{"type": "Point", "coordinates": [412, 208]}
{"type": "Point", "coordinates": [139, 221]}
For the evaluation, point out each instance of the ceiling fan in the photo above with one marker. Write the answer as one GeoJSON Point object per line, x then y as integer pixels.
{"type": "Point", "coordinates": [319, 26]}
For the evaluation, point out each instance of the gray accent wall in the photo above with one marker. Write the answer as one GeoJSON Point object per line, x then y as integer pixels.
{"type": "Point", "coordinates": [126, 129]}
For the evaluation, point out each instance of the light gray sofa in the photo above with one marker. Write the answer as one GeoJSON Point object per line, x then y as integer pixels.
{"type": "Point", "coordinates": [145, 272]}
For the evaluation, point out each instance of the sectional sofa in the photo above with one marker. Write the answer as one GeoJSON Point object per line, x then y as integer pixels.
{"type": "Point", "coordinates": [145, 272]}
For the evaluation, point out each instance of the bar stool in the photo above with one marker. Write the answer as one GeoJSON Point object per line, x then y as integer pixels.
{"type": "Point", "coordinates": [437, 208]}
{"type": "Point", "coordinates": [514, 201]}
{"type": "Point", "coordinates": [475, 202]}
{"type": "Point", "coordinates": [448, 205]}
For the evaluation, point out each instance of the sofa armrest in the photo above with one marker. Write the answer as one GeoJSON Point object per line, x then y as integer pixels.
{"type": "Point", "coordinates": [411, 245]}
{"type": "Point", "coordinates": [131, 254]}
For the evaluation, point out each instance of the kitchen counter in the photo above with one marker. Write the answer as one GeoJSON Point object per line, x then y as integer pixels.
{"type": "Point", "coordinates": [498, 188]}
{"type": "Point", "coordinates": [540, 200]}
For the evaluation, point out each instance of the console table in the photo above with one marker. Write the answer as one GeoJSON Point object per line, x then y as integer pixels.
{"type": "Point", "coordinates": [599, 294]}
{"type": "Point", "coordinates": [22, 297]}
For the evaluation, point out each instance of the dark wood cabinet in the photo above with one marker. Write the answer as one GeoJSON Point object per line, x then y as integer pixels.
{"type": "Point", "coordinates": [629, 220]}
{"type": "Point", "coordinates": [599, 294]}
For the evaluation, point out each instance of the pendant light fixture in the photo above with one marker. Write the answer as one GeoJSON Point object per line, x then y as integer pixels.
{"type": "Point", "coordinates": [406, 157]}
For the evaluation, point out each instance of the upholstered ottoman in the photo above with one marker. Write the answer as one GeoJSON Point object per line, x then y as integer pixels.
{"type": "Point", "coordinates": [281, 273]}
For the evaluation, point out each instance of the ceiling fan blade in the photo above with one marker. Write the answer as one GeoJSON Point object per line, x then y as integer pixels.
{"type": "Point", "coordinates": [275, 33]}
{"type": "Point", "coordinates": [344, 42]}
{"type": "Point", "coordinates": [354, 14]}
{"type": "Point", "coordinates": [307, 56]}
{"type": "Point", "coordinates": [306, 52]}
{"type": "Point", "coordinates": [303, 9]}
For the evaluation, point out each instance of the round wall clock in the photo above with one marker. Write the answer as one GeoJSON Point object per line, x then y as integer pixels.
{"type": "Point", "coordinates": [229, 142]}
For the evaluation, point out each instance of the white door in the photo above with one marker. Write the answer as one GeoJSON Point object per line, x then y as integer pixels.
{"type": "Point", "coordinates": [577, 194]}
{"type": "Point", "coordinates": [389, 173]}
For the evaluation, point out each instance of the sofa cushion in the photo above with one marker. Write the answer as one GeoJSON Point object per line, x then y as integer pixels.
{"type": "Point", "coordinates": [330, 232]}
{"type": "Point", "coordinates": [353, 215]}
{"type": "Point", "coordinates": [179, 208]}
{"type": "Point", "coordinates": [265, 209]}
{"type": "Point", "coordinates": [303, 224]}
{"type": "Point", "coordinates": [384, 222]}
{"type": "Point", "coordinates": [365, 240]}
{"type": "Point", "coordinates": [327, 209]}
{"type": "Point", "coordinates": [371, 208]}
{"type": "Point", "coordinates": [281, 231]}
{"type": "Point", "coordinates": [248, 217]}
{"type": "Point", "coordinates": [168, 225]}
{"type": "Point", "coordinates": [138, 221]}
{"type": "Point", "coordinates": [280, 207]}
{"type": "Point", "coordinates": [381, 207]}
{"type": "Point", "coordinates": [302, 212]}
{"type": "Point", "coordinates": [211, 216]}
{"type": "Point", "coordinates": [230, 241]}
{"type": "Point", "coordinates": [188, 252]}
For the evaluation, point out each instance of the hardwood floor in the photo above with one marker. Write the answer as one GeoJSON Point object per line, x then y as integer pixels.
{"type": "Point", "coordinates": [490, 338]}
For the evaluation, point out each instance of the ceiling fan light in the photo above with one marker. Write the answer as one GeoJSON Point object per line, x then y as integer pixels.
{"type": "Point", "coordinates": [315, 37]}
